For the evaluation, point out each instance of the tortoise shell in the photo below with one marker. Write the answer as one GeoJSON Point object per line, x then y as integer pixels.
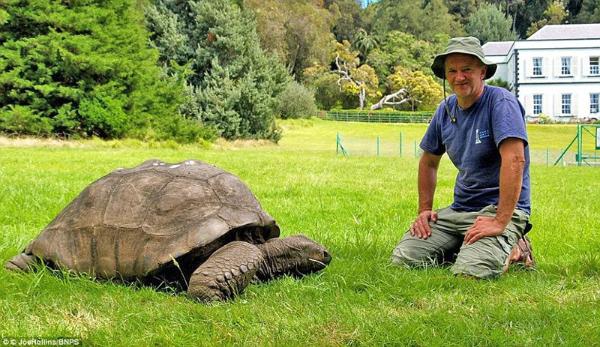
{"type": "Point", "coordinates": [133, 222]}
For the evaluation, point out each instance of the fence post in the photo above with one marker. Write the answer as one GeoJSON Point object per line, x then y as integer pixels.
{"type": "Point", "coordinates": [547, 156]}
{"type": "Point", "coordinates": [416, 156]}
{"type": "Point", "coordinates": [400, 144]}
{"type": "Point", "coordinates": [378, 144]}
{"type": "Point", "coordinates": [579, 145]}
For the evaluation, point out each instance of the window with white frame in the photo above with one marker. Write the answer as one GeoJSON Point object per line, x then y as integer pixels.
{"type": "Point", "coordinates": [594, 103]}
{"type": "Point", "coordinates": [594, 66]}
{"type": "Point", "coordinates": [537, 66]}
{"type": "Point", "coordinates": [565, 66]}
{"type": "Point", "coordinates": [565, 104]}
{"type": "Point", "coordinates": [537, 103]}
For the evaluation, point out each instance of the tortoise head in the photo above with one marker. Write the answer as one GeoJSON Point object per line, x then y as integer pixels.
{"type": "Point", "coordinates": [295, 255]}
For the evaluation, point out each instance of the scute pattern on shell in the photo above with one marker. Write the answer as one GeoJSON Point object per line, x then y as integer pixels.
{"type": "Point", "coordinates": [133, 221]}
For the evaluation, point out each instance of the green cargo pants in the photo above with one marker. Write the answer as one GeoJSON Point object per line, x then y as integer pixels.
{"type": "Point", "coordinates": [483, 259]}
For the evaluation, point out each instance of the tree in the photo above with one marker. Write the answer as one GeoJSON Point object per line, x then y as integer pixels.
{"type": "Point", "coordinates": [297, 101]}
{"type": "Point", "coordinates": [297, 32]}
{"type": "Point", "coordinates": [233, 84]}
{"type": "Point", "coordinates": [394, 99]}
{"type": "Point", "coordinates": [327, 92]}
{"type": "Point", "coordinates": [500, 83]}
{"type": "Point", "coordinates": [554, 14]}
{"type": "Point", "coordinates": [81, 69]}
{"type": "Point", "coordinates": [399, 48]}
{"type": "Point", "coordinates": [463, 9]}
{"type": "Point", "coordinates": [524, 13]}
{"type": "Point", "coordinates": [589, 12]}
{"type": "Point", "coordinates": [354, 79]}
{"type": "Point", "coordinates": [424, 20]}
{"type": "Point", "coordinates": [490, 24]}
{"type": "Point", "coordinates": [346, 15]}
{"type": "Point", "coordinates": [364, 43]}
{"type": "Point", "coordinates": [419, 87]}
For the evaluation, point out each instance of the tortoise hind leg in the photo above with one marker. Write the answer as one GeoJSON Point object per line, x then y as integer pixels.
{"type": "Point", "coordinates": [226, 273]}
{"type": "Point", "coordinates": [21, 262]}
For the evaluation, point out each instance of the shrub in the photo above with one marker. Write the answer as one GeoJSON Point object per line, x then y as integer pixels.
{"type": "Point", "coordinates": [296, 101]}
{"type": "Point", "coordinates": [233, 83]}
{"type": "Point", "coordinates": [80, 69]}
{"type": "Point", "coordinates": [545, 119]}
{"type": "Point", "coordinates": [327, 92]}
{"type": "Point", "coordinates": [184, 130]}
{"type": "Point", "coordinates": [174, 127]}
{"type": "Point", "coordinates": [498, 82]}
{"type": "Point", "coordinates": [21, 120]}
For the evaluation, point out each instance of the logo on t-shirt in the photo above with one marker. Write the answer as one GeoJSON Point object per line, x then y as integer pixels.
{"type": "Point", "coordinates": [480, 135]}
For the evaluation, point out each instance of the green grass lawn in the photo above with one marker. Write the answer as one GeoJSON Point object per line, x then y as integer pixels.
{"type": "Point", "coordinates": [358, 207]}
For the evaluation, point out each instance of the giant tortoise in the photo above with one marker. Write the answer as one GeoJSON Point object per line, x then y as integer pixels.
{"type": "Point", "coordinates": [188, 223]}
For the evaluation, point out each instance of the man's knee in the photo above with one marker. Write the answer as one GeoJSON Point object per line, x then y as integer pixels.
{"type": "Point", "coordinates": [473, 261]}
{"type": "Point", "coordinates": [408, 254]}
{"type": "Point", "coordinates": [476, 270]}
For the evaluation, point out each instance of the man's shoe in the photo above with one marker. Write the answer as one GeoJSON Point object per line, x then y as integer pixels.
{"type": "Point", "coordinates": [521, 254]}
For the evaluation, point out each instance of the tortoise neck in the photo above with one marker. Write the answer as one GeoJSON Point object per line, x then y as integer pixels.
{"type": "Point", "coordinates": [278, 259]}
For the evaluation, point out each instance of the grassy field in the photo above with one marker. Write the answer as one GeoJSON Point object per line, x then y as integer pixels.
{"type": "Point", "coordinates": [358, 206]}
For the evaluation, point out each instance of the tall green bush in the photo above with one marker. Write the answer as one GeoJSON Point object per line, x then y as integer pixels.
{"type": "Point", "coordinates": [233, 84]}
{"type": "Point", "coordinates": [81, 68]}
{"type": "Point", "coordinates": [297, 101]}
{"type": "Point", "coordinates": [328, 93]}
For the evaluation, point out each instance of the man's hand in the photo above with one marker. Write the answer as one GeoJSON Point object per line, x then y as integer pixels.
{"type": "Point", "coordinates": [420, 227]}
{"type": "Point", "coordinates": [484, 226]}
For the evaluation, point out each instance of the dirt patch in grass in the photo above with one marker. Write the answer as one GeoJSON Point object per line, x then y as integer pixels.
{"type": "Point", "coordinates": [38, 142]}
{"type": "Point", "coordinates": [239, 144]}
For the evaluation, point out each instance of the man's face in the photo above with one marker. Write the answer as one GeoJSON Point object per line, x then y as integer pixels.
{"type": "Point", "coordinates": [465, 74]}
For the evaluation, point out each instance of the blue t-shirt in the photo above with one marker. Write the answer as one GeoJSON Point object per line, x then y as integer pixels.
{"type": "Point", "coordinates": [472, 145]}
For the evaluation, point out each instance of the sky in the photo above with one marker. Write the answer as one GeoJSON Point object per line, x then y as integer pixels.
{"type": "Point", "coordinates": [364, 3]}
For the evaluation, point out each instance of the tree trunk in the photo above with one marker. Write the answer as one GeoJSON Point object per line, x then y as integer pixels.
{"type": "Point", "coordinates": [362, 96]}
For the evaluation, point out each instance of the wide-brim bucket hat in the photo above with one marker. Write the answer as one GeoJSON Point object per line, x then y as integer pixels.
{"type": "Point", "coordinates": [465, 45]}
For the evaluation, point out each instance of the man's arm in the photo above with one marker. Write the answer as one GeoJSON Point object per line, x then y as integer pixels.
{"type": "Point", "coordinates": [428, 166]}
{"type": "Point", "coordinates": [512, 152]}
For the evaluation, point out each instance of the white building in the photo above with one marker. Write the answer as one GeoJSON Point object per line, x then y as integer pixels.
{"type": "Point", "coordinates": [555, 72]}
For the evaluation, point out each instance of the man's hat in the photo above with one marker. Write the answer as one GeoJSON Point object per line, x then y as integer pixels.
{"type": "Point", "coordinates": [465, 45]}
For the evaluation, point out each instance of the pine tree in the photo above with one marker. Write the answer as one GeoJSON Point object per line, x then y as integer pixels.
{"type": "Point", "coordinates": [490, 24]}
{"type": "Point", "coordinates": [80, 68]}
{"type": "Point", "coordinates": [233, 83]}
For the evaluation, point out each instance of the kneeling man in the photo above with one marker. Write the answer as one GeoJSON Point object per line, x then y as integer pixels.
{"type": "Point", "coordinates": [482, 129]}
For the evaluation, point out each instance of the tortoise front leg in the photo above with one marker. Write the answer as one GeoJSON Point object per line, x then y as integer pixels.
{"type": "Point", "coordinates": [226, 273]}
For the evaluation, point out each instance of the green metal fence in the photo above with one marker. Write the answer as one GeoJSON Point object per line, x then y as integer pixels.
{"type": "Point", "coordinates": [589, 157]}
{"type": "Point", "coordinates": [377, 146]}
{"type": "Point", "coordinates": [379, 117]}
{"type": "Point", "coordinates": [398, 146]}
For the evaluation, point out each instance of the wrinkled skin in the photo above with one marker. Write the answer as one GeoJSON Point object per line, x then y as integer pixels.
{"type": "Point", "coordinates": [295, 255]}
{"type": "Point", "coordinates": [230, 269]}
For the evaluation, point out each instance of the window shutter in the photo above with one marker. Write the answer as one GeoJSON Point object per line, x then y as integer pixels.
{"type": "Point", "coordinates": [528, 67]}
{"type": "Point", "coordinates": [557, 106]}
{"type": "Point", "coordinates": [528, 101]}
{"type": "Point", "coordinates": [557, 66]}
{"type": "Point", "coordinates": [546, 64]}
{"type": "Point", "coordinates": [574, 66]}
{"type": "Point", "coordinates": [574, 102]}
{"type": "Point", "coordinates": [585, 66]}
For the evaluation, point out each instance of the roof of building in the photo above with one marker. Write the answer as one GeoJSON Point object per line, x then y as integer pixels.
{"type": "Point", "coordinates": [497, 47]}
{"type": "Point", "coordinates": [567, 31]}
